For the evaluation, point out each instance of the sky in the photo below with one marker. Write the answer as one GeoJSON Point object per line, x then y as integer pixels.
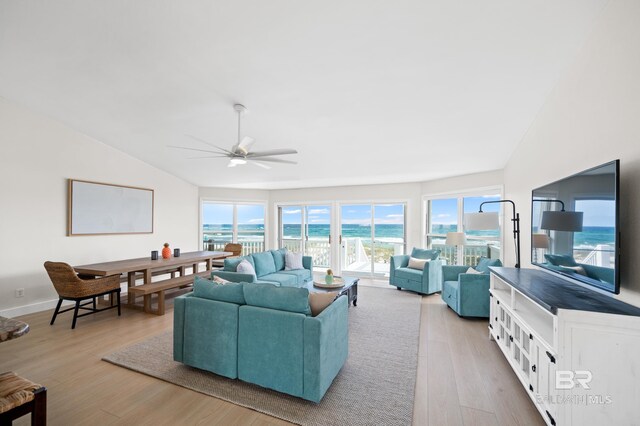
{"type": "Point", "coordinates": [218, 214]}
{"type": "Point", "coordinates": [445, 211]}
{"type": "Point", "coordinates": [597, 212]}
{"type": "Point", "coordinates": [356, 214]}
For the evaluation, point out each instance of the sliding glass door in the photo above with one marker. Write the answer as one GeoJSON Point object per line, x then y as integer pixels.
{"type": "Point", "coordinates": [369, 235]}
{"type": "Point", "coordinates": [307, 229]}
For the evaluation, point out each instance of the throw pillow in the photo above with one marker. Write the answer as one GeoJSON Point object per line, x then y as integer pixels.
{"type": "Point", "coordinates": [417, 263]}
{"type": "Point", "coordinates": [473, 271]}
{"type": "Point", "coordinates": [245, 267]}
{"type": "Point", "coordinates": [319, 301]}
{"type": "Point", "coordinates": [425, 254]}
{"type": "Point", "coordinates": [484, 263]}
{"type": "Point", "coordinates": [292, 261]}
{"type": "Point", "coordinates": [219, 280]}
{"type": "Point", "coordinates": [206, 289]}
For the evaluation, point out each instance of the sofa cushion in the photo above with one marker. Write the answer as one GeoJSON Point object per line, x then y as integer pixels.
{"type": "Point", "coordinates": [264, 263]}
{"type": "Point", "coordinates": [560, 259]}
{"type": "Point", "coordinates": [280, 298]}
{"type": "Point", "coordinates": [231, 263]}
{"type": "Point", "coordinates": [206, 289]}
{"type": "Point", "coordinates": [302, 275]}
{"type": "Point", "coordinates": [278, 258]}
{"type": "Point", "coordinates": [425, 254]}
{"type": "Point", "coordinates": [409, 274]}
{"type": "Point", "coordinates": [285, 280]}
{"type": "Point", "coordinates": [484, 263]}
{"type": "Point", "coordinates": [418, 264]}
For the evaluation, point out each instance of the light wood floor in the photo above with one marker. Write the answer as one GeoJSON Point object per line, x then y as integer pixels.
{"type": "Point", "coordinates": [462, 377]}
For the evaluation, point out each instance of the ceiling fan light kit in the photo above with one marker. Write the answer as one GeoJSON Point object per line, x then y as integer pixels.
{"type": "Point", "coordinates": [241, 153]}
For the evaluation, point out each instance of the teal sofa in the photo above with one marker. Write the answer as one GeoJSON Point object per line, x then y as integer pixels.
{"type": "Point", "coordinates": [564, 263]}
{"type": "Point", "coordinates": [468, 294]}
{"type": "Point", "coordinates": [425, 281]}
{"type": "Point", "coordinates": [262, 334]}
{"type": "Point", "coordinates": [269, 266]}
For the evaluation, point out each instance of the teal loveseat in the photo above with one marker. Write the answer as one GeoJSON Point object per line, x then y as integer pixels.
{"type": "Point", "coordinates": [426, 281]}
{"type": "Point", "coordinates": [262, 334]}
{"type": "Point", "coordinates": [270, 269]}
{"type": "Point", "coordinates": [468, 294]}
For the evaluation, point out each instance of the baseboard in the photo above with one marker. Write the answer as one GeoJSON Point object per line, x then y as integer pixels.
{"type": "Point", "coordinates": [36, 307]}
{"type": "Point", "coordinates": [32, 308]}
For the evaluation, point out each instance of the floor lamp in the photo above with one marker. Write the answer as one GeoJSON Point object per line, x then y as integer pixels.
{"type": "Point", "coordinates": [490, 220]}
{"type": "Point", "coordinates": [456, 239]}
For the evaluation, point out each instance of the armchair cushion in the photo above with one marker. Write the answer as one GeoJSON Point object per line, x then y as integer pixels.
{"type": "Point", "coordinates": [425, 254]}
{"type": "Point", "coordinates": [409, 274]}
{"type": "Point", "coordinates": [231, 263]}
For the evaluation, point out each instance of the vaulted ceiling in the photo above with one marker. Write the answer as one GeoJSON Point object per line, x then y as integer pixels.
{"type": "Point", "coordinates": [366, 91]}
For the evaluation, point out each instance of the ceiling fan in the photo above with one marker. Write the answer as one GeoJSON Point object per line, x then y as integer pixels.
{"type": "Point", "coordinates": [241, 152]}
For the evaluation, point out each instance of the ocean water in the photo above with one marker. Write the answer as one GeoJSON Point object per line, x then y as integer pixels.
{"type": "Point", "coordinates": [588, 238]}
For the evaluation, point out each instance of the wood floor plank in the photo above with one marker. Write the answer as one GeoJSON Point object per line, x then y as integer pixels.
{"type": "Point", "coordinates": [443, 404]}
{"type": "Point", "coordinates": [473, 417]}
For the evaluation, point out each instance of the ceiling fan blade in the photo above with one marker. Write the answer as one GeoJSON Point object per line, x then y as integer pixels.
{"type": "Point", "coordinates": [272, 160]}
{"type": "Point", "coordinates": [208, 143]}
{"type": "Point", "coordinates": [256, 163]}
{"type": "Point", "coordinates": [202, 158]}
{"type": "Point", "coordinates": [284, 151]}
{"type": "Point", "coordinates": [193, 149]}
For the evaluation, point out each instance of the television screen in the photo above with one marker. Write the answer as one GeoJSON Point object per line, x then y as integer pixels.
{"type": "Point", "coordinates": [574, 227]}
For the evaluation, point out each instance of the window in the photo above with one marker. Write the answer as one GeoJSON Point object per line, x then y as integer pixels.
{"type": "Point", "coordinates": [224, 223]}
{"type": "Point", "coordinates": [446, 214]}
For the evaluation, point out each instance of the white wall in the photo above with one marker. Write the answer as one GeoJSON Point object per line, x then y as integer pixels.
{"type": "Point", "coordinates": [592, 116]}
{"type": "Point", "coordinates": [37, 156]}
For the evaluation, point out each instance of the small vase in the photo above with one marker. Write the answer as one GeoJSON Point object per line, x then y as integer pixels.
{"type": "Point", "coordinates": [166, 252]}
{"type": "Point", "coordinates": [328, 279]}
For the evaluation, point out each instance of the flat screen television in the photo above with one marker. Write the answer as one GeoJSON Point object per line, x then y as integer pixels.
{"type": "Point", "coordinates": [575, 227]}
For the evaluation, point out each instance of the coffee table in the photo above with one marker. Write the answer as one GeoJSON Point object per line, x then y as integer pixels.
{"type": "Point", "coordinates": [349, 289]}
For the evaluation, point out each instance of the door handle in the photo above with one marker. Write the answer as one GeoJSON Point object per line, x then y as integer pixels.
{"type": "Point", "coordinates": [329, 239]}
{"type": "Point", "coordinates": [340, 239]}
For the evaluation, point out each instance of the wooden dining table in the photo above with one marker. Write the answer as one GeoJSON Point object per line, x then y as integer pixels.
{"type": "Point", "coordinates": [146, 268]}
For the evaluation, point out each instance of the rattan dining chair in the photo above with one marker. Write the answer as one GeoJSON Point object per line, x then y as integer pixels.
{"type": "Point", "coordinates": [234, 248]}
{"type": "Point", "coordinates": [70, 287]}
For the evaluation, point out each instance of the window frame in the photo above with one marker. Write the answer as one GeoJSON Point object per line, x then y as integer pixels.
{"type": "Point", "coordinates": [427, 236]}
{"type": "Point", "coordinates": [235, 204]}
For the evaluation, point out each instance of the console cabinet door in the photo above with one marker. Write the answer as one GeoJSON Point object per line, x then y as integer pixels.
{"type": "Point", "coordinates": [546, 394]}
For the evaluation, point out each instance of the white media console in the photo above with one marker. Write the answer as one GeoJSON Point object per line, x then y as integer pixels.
{"type": "Point", "coordinates": [575, 350]}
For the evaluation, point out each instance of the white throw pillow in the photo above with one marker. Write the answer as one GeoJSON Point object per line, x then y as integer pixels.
{"type": "Point", "coordinates": [579, 269]}
{"type": "Point", "coordinates": [417, 263]}
{"type": "Point", "coordinates": [473, 271]}
{"type": "Point", "coordinates": [245, 267]}
{"type": "Point", "coordinates": [292, 261]}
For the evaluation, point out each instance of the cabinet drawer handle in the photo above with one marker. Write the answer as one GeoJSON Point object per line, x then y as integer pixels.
{"type": "Point", "coordinates": [497, 302]}
{"type": "Point", "coordinates": [496, 318]}
{"type": "Point", "coordinates": [530, 336]}
{"type": "Point", "coordinates": [533, 368]}
{"type": "Point", "coordinates": [511, 338]}
{"type": "Point", "coordinates": [531, 388]}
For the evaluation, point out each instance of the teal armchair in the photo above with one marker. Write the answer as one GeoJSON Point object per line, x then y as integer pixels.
{"type": "Point", "coordinates": [425, 281]}
{"type": "Point", "coordinates": [468, 294]}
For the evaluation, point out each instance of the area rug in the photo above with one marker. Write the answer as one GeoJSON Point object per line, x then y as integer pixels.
{"type": "Point", "coordinates": [375, 386]}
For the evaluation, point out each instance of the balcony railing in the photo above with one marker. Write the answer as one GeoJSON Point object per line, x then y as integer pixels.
{"type": "Point", "coordinates": [471, 253]}
{"type": "Point", "coordinates": [248, 247]}
{"type": "Point", "coordinates": [319, 250]}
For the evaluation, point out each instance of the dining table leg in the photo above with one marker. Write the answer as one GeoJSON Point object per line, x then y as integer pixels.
{"type": "Point", "coordinates": [131, 281]}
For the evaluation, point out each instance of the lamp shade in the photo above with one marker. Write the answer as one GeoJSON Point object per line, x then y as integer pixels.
{"type": "Point", "coordinates": [540, 241]}
{"type": "Point", "coordinates": [481, 221]}
{"type": "Point", "coordinates": [562, 221]}
{"type": "Point", "coordinates": [456, 239]}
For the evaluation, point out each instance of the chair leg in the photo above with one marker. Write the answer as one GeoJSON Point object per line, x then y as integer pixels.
{"type": "Point", "coordinates": [118, 301]}
{"type": "Point", "coordinates": [75, 314]}
{"type": "Point", "coordinates": [39, 414]}
{"type": "Point", "coordinates": [55, 313]}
